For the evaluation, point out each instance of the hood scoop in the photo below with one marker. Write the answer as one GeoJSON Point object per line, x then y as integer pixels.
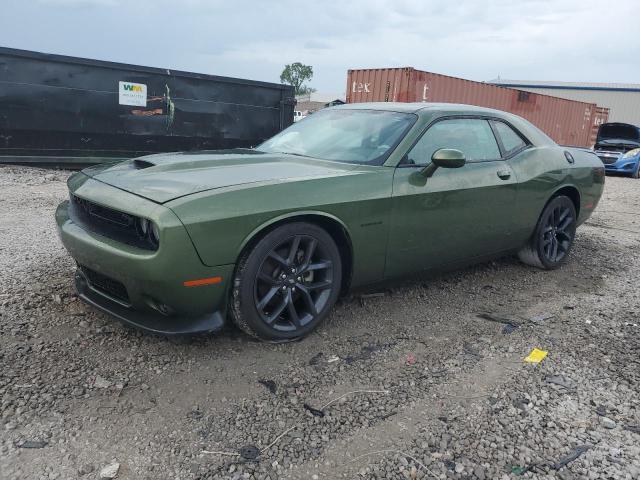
{"type": "Point", "coordinates": [140, 164]}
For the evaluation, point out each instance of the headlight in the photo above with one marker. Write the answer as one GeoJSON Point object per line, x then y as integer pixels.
{"type": "Point", "coordinates": [148, 231]}
{"type": "Point", "coordinates": [631, 153]}
{"type": "Point", "coordinates": [154, 236]}
{"type": "Point", "coordinates": [144, 227]}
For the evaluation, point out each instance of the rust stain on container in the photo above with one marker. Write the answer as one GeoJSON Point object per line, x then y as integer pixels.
{"type": "Point", "coordinates": [566, 121]}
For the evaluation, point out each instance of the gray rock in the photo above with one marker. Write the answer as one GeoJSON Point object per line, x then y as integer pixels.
{"type": "Point", "coordinates": [101, 382]}
{"type": "Point", "coordinates": [606, 422]}
{"type": "Point", "coordinates": [110, 471]}
{"type": "Point", "coordinates": [565, 474]}
{"type": "Point", "coordinates": [86, 469]}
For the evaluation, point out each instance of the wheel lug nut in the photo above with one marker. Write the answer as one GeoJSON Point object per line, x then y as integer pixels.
{"type": "Point", "coordinates": [284, 288]}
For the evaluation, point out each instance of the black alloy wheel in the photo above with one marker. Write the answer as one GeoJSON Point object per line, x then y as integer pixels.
{"type": "Point", "coordinates": [558, 232]}
{"type": "Point", "coordinates": [287, 283]}
{"type": "Point", "coordinates": [293, 284]}
{"type": "Point", "coordinates": [551, 242]}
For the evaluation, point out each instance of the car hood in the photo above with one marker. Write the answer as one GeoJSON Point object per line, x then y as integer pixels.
{"type": "Point", "coordinates": [621, 143]}
{"type": "Point", "coordinates": [618, 132]}
{"type": "Point", "coordinates": [165, 177]}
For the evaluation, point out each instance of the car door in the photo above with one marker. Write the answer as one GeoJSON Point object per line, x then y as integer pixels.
{"type": "Point", "coordinates": [457, 213]}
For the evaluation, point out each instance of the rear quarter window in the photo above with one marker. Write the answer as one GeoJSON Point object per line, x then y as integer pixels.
{"type": "Point", "coordinates": [511, 141]}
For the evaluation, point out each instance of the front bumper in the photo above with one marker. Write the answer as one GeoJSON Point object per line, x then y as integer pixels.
{"type": "Point", "coordinates": [622, 166]}
{"type": "Point", "coordinates": [147, 321]}
{"type": "Point", "coordinates": [155, 298]}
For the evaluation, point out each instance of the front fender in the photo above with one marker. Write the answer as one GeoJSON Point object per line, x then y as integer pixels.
{"type": "Point", "coordinates": [222, 223]}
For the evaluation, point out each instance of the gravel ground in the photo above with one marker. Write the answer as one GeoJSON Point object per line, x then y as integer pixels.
{"type": "Point", "coordinates": [406, 383]}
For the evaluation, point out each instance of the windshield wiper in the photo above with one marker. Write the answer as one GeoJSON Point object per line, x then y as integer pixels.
{"type": "Point", "coordinates": [295, 154]}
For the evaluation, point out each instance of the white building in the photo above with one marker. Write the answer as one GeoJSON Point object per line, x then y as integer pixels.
{"type": "Point", "coordinates": [321, 97]}
{"type": "Point", "coordinates": [622, 99]}
{"type": "Point", "coordinates": [311, 102]}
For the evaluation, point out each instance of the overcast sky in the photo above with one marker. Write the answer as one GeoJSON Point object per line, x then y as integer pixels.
{"type": "Point", "coordinates": [579, 40]}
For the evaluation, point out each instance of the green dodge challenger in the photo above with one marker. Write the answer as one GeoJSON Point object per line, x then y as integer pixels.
{"type": "Point", "coordinates": [270, 237]}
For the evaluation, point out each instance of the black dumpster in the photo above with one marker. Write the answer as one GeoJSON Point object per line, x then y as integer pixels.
{"type": "Point", "coordinates": [70, 111]}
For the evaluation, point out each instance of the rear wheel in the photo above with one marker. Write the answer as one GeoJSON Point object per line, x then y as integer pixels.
{"type": "Point", "coordinates": [553, 238]}
{"type": "Point", "coordinates": [287, 283]}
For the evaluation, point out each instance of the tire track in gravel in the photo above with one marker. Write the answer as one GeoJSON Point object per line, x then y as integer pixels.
{"type": "Point", "coordinates": [431, 406]}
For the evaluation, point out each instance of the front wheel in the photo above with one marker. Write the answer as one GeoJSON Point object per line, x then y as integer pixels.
{"type": "Point", "coordinates": [553, 237]}
{"type": "Point", "coordinates": [636, 171]}
{"type": "Point", "coordinates": [287, 283]}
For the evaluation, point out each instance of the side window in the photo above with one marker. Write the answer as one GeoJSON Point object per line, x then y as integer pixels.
{"type": "Point", "coordinates": [511, 141]}
{"type": "Point", "coordinates": [471, 136]}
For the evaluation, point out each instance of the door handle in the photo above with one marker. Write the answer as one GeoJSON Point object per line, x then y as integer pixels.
{"type": "Point", "coordinates": [504, 174]}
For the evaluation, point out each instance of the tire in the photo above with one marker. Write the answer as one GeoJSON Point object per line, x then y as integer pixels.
{"type": "Point", "coordinates": [285, 286]}
{"type": "Point", "coordinates": [636, 172]}
{"type": "Point", "coordinates": [552, 240]}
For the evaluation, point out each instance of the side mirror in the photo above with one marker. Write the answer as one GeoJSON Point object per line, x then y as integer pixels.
{"type": "Point", "coordinates": [448, 158]}
{"type": "Point", "coordinates": [444, 158]}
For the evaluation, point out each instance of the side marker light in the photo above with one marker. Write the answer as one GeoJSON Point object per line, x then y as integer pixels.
{"type": "Point", "coordinates": [203, 281]}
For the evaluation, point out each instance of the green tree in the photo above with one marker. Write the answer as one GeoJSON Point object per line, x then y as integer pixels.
{"type": "Point", "coordinates": [296, 74]}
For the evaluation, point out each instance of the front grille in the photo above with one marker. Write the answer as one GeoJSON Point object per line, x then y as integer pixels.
{"type": "Point", "coordinates": [608, 160]}
{"type": "Point", "coordinates": [108, 222]}
{"type": "Point", "coordinates": [607, 155]}
{"type": "Point", "coordinates": [106, 285]}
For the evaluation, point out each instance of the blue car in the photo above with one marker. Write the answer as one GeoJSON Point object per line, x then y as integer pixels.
{"type": "Point", "coordinates": [618, 146]}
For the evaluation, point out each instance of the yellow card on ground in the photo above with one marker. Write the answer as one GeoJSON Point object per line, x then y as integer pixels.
{"type": "Point", "coordinates": [536, 356]}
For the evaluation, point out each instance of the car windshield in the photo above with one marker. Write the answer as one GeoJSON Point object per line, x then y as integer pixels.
{"type": "Point", "coordinates": [352, 136]}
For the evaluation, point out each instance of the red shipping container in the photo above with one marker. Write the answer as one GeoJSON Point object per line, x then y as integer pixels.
{"type": "Point", "coordinates": [601, 116]}
{"type": "Point", "coordinates": [566, 121]}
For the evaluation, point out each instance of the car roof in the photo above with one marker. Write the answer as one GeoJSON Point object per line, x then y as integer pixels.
{"type": "Point", "coordinates": [533, 133]}
{"type": "Point", "coordinates": [418, 107]}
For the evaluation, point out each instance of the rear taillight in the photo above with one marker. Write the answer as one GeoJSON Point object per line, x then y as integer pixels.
{"type": "Point", "coordinates": [598, 174]}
